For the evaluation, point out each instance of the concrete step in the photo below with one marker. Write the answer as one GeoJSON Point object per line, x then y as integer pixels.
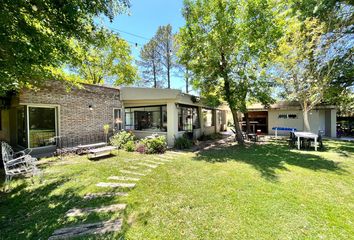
{"type": "Point", "coordinates": [123, 178]}
{"type": "Point", "coordinates": [76, 212]}
{"type": "Point", "coordinates": [115, 185]}
{"type": "Point", "coordinates": [89, 228]}
{"type": "Point", "coordinates": [98, 195]}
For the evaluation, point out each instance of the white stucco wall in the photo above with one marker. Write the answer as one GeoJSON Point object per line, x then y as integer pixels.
{"type": "Point", "coordinates": [322, 119]}
{"type": "Point", "coordinates": [315, 118]}
{"type": "Point", "coordinates": [274, 121]}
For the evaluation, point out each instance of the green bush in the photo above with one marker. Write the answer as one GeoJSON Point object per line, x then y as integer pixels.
{"type": "Point", "coordinates": [129, 146]}
{"type": "Point", "coordinates": [154, 144]}
{"type": "Point", "coordinates": [121, 138]}
{"type": "Point", "coordinates": [183, 143]}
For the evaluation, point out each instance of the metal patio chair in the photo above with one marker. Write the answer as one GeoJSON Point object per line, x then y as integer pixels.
{"type": "Point", "coordinates": [19, 163]}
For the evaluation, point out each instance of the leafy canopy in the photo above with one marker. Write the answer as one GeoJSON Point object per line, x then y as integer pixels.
{"type": "Point", "coordinates": [107, 60]}
{"type": "Point", "coordinates": [226, 44]}
{"type": "Point", "coordinates": [35, 36]}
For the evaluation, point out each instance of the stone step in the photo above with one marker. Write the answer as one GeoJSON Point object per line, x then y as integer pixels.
{"type": "Point", "coordinates": [88, 228]}
{"type": "Point", "coordinates": [115, 185]}
{"type": "Point", "coordinates": [123, 178]}
{"type": "Point", "coordinates": [147, 165]}
{"type": "Point", "coordinates": [76, 212]}
{"type": "Point", "coordinates": [154, 162]}
{"type": "Point", "coordinates": [134, 173]}
{"type": "Point", "coordinates": [98, 195]}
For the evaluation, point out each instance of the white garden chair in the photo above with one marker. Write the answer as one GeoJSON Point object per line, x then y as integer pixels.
{"type": "Point", "coordinates": [19, 163]}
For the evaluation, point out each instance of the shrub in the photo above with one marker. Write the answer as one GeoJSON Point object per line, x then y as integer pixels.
{"type": "Point", "coordinates": [154, 144]}
{"type": "Point", "coordinates": [121, 138]}
{"type": "Point", "coordinates": [129, 146]}
{"type": "Point", "coordinates": [183, 143]}
{"type": "Point", "coordinates": [140, 147]}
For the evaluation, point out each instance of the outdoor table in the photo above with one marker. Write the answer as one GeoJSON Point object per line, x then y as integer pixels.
{"type": "Point", "coordinates": [305, 135]}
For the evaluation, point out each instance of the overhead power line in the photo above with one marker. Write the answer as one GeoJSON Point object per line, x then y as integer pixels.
{"type": "Point", "coordinates": [132, 34]}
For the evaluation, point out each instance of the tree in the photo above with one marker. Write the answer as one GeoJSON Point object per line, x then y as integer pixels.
{"type": "Point", "coordinates": [337, 18]}
{"type": "Point", "coordinates": [226, 44]}
{"type": "Point", "coordinates": [150, 63]}
{"type": "Point", "coordinates": [304, 73]}
{"type": "Point", "coordinates": [34, 36]}
{"type": "Point", "coordinates": [107, 60]}
{"type": "Point", "coordinates": [165, 40]}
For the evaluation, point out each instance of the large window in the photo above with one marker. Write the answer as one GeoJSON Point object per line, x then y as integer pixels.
{"type": "Point", "coordinates": [208, 117]}
{"type": "Point", "coordinates": [152, 118]}
{"type": "Point", "coordinates": [42, 126]}
{"type": "Point", "coordinates": [188, 118]}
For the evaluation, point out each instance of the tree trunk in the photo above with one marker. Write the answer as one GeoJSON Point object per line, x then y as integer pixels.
{"type": "Point", "coordinates": [187, 81]}
{"type": "Point", "coordinates": [305, 113]}
{"type": "Point", "coordinates": [168, 77]}
{"type": "Point", "coordinates": [154, 71]}
{"type": "Point", "coordinates": [239, 137]}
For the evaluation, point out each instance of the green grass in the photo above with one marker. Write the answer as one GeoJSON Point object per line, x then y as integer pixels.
{"type": "Point", "coordinates": [254, 192]}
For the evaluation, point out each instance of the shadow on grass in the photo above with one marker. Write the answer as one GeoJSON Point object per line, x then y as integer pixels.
{"type": "Point", "coordinates": [268, 158]}
{"type": "Point", "coordinates": [35, 212]}
{"type": "Point", "coordinates": [345, 149]}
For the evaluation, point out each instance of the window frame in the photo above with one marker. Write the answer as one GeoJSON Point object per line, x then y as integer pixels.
{"type": "Point", "coordinates": [132, 126]}
{"type": "Point", "coordinates": [184, 128]}
{"type": "Point", "coordinates": [27, 119]}
{"type": "Point", "coordinates": [114, 119]}
{"type": "Point", "coordinates": [213, 112]}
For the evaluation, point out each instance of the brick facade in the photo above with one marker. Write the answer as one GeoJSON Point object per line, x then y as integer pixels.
{"type": "Point", "coordinates": [75, 118]}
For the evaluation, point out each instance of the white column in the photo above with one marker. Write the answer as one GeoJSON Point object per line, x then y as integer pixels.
{"type": "Point", "coordinates": [333, 123]}
{"type": "Point", "coordinates": [172, 123]}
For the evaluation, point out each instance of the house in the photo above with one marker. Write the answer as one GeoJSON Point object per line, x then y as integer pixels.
{"type": "Point", "coordinates": [34, 118]}
{"type": "Point", "coordinates": [289, 115]}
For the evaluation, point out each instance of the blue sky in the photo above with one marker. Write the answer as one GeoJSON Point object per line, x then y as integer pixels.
{"type": "Point", "coordinates": [144, 19]}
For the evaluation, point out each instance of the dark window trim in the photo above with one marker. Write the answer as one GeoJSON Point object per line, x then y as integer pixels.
{"type": "Point", "coordinates": [145, 106]}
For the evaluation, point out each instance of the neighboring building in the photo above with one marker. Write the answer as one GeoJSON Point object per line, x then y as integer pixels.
{"type": "Point", "coordinates": [289, 114]}
{"type": "Point", "coordinates": [34, 118]}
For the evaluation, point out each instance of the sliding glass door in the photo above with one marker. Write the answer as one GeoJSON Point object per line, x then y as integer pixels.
{"type": "Point", "coordinates": [42, 126]}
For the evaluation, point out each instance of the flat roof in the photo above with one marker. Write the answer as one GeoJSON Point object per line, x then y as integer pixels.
{"type": "Point", "coordinates": [286, 105]}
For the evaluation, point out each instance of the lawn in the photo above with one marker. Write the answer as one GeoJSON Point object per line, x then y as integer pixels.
{"type": "Point", "coordinates": [262, 191]}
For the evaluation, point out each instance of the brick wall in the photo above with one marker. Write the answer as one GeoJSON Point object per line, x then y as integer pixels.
{"type": "Point", "coordinates": [75, 117]}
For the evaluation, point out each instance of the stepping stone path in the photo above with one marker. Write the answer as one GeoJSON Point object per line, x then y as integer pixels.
{"type": "Point", "coordinates": [123, 178]}
{"type": "Point", "coordinates": [163, 160]}
{"type": "Point", "coordinates": [90, 228]}
{"type": "Point", "coordinates": [133, 167]}
{"type": "Point", "coordinates": [115, 185]}
{"type": "Point", "coordinates": [147, 165]}
{"type": "Point", "coordinates": [154, 162]}
{"type": "Point", "coordinates": [112, 225]}
{"type": "Point", "coordinates": [76, 212]}
{"type": "Point", "coordinates": [134, 173]}
{"type": "Point", "coordinates": [98, 195]}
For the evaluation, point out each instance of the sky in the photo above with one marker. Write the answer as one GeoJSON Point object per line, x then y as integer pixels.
{"type": "Point", "coordinates": [143, 20]}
